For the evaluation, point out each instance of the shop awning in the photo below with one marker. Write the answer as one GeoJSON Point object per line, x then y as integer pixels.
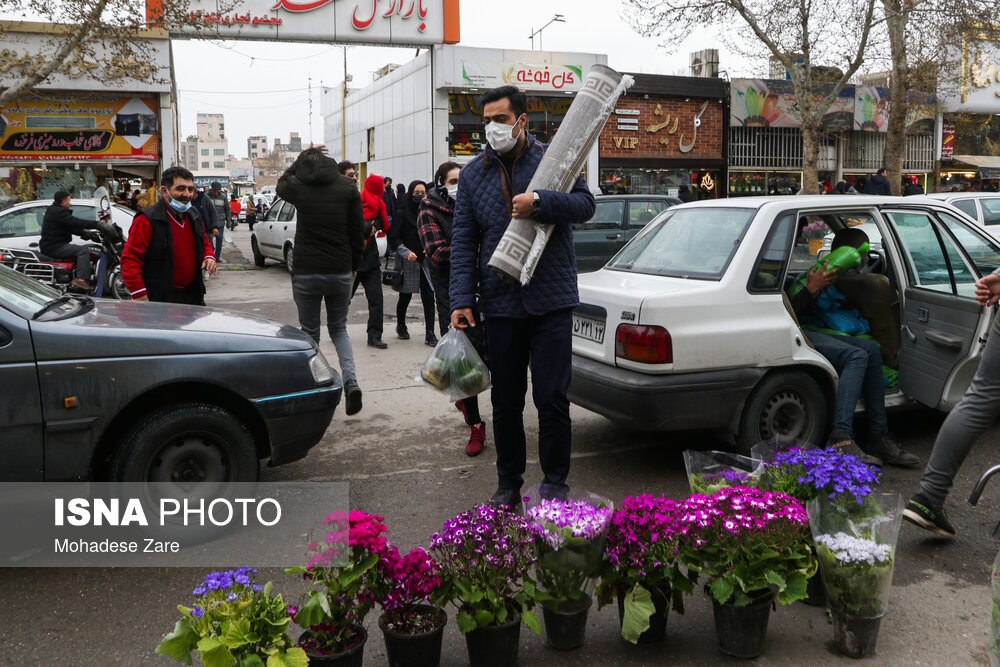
{"type": "Point", "coordinates": [141, 170]}
{"type": "Point", "coordinates": [989, 165]}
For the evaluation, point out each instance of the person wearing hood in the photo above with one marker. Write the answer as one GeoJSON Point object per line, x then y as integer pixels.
{"type": "Point", "coordinates": [370, 272]}
{"type": "Point", "coordinates": [434, 222]}
{"type": "Point", "coordinates": [329, 239]}
{"type": "Point", "coordinates": [405, 240]}
{"type": "Point", "coordinates": [389, 198]}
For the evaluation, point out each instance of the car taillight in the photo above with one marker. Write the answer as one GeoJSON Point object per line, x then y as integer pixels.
{"type": "Point", "coordinates": [647, 345]}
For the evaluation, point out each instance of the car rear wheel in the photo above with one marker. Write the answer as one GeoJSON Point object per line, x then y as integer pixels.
{"type": "Point", "coordinates": [289, 257]}
{"type": "Point", "coordinates": [258, 256]}
{"type": "Point", "coordinates": [787, 407]}
{"type": "Point", "coordinates": [187, 443]}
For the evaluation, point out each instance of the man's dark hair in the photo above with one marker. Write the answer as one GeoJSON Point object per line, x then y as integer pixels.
{"type": "Point", "coordinates": [60, 196]}
{"type": "Point", "coordinates": [881, 172]}
{"type": "Point", "coordinates": [850, 236]}
{"type": "Point", "coordinates": [170, 175]}
{"type": "Point", "coordinates": [344, 165]}
{"type": "Point", "coordinates": [517, 99]}
{"type": "Point", "coordinates": [442, 171]}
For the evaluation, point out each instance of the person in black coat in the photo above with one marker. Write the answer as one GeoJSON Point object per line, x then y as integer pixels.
{"type": "Point", "coordinates": [404, 239]}
{"type": "Point", "coordinates": [684, 194]}
{"type": "Point", "coordinates": [910, 186]}
{"type": "Point", "coordinates": [878, 184]}
{"type": "Point", "coordinates": [58, 227]}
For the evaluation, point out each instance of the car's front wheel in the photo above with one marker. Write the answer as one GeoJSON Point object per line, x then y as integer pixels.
{"type": "Point", "coordinates": [187, 443]}
{"type": "Point", "coordinates": [787, 407]}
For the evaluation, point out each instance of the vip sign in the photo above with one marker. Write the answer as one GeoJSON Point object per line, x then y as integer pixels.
{"type": "Point", "coordinates": [389, 22]}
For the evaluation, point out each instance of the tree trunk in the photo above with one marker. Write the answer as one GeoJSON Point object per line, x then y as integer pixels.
{"type": "Point", "coordinates": [895, 138]}
{"type": "Point", "coordinates": [810, 150]}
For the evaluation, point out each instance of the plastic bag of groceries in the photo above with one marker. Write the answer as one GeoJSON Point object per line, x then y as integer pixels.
{"type": "Point", "coordinates": [455, 368]}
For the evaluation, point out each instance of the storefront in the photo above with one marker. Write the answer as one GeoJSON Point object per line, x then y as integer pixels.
{"type": "Point", "coordinates": [665, 133]}
{"type": "Point", "coordinates": [74, 134]}
{"type": "Point", "coordinates": [765, 138]}
{"type": "Point", "coordinates": [429, 110]}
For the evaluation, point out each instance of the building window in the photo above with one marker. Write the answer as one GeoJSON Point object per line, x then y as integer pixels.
{"type": "Point", "coordinates": [371, 143]}
{"type": "Point", "coordinates": [218, 151]}
{"type": "Point", "coordinates": [219, 165]}
{"type": "Point", "coordinates": [204, 151]}
{"type": "Point", "coordinates": [204, 165]}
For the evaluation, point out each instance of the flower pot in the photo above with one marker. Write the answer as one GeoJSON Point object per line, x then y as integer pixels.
{"type": "Point", "coordinates": [351, 657]}
{"type": "Point", "coordinates": [494, 646]}
{"type": "Point", "coordinates": [815, 592]}
{"type": "Point", "coordinates": [815, 245]}
{"type": "Point", "coordinates": [741, 631]}
{"type": "Point", "coordinates": [855, 636]}
{"type": "Point", "coordinates": [421, 649]}
{"type": "Point", "coordinates": [657, 622]}
{"type": "Point", "coordinates": [565, 625]}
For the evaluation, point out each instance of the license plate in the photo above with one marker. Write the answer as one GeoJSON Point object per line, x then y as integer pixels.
{"type": "Point", "coordinates": [590, 329]}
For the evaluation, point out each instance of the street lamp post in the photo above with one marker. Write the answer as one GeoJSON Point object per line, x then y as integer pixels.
{"type": "Point", "coordinates": [558, 18]}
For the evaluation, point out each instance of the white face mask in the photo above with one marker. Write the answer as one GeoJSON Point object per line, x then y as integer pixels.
{"type": "Point", "coordinates": [501, 137]}
{"type": "Point", "coordinates": [452, 190]}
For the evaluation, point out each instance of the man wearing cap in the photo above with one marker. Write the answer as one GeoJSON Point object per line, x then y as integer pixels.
{"type": "Point", "coordinates": [223, 214]}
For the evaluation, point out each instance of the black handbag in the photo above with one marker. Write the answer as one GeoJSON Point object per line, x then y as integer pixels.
{"type": "Point", "coordinates": [390, 274]}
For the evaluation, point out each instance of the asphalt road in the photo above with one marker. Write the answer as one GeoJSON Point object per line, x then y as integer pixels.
{"type": "Point", "coordinates": [403, 456]}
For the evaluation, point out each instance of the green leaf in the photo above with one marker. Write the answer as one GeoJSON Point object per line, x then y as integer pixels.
{"type": "Point", "coordinates": [179, 643]}
{"type": "Point", "coordinates": [214, 653]}
{"type": "Point", "coordinates": [531, 621]}
{"type": "Point", "coordinates": [312, 612]}
{"type": "Point", "coordinates": [776, 579]}
{"type": "Point", "coordinates": [251, 661]}
{"type": "Point", "coordinates": [294, 657]}
{"type": "Point", "coordinates": [239, 633]}
{"type": "Point", "coordinates": [638, 610]}
{"type": "Point", "coordinates": [722, 590]}
{"type": "Point", "coordinates": [795, 588]}
{"type": "Point", "coordinates": [465, 622]}
{"type": "Point", "coordinates": [484, 617]}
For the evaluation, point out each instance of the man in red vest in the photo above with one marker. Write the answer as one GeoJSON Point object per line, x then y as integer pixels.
{"type": "Point", "coordinates": [167, 247]}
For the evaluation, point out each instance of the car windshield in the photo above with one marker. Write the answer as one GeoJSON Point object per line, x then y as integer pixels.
{"type": "Point", "coordinates": [686, 243]}
{"type": "Point", "coordinates": [28, 297]}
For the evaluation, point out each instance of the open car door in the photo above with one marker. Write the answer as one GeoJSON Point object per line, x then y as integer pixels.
{"type": "Point", "coordinates": [943, 327]}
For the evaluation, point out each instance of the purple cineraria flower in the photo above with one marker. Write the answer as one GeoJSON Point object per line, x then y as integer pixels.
{"type": "Point", "coordinates": [553, 521]}
{"type": "Point", "coordinates": [807, 474]}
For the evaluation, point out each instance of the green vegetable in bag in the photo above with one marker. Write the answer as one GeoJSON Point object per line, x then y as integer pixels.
{"type": "Point", "coordinates": [468, 376]}
{"type": "Point", "coordinates": [436, 372]}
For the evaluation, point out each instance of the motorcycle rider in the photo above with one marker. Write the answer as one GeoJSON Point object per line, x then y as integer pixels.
{"type": "Point", "coordinates": [58, 227]}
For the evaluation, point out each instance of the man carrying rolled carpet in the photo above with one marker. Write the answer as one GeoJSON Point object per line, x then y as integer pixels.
{"type": "Point", "coordinates": [525, 325]}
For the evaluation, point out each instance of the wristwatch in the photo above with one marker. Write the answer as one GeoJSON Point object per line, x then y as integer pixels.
{"type": "Point", "coordinates": [536, 201]}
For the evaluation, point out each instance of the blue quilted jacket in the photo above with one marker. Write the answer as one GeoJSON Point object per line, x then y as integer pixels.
{"type": "Point", "coordinates": [482, 213]}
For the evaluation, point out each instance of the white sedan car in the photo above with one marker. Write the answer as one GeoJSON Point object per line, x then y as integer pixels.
{"type": "Point", "coordinates": [274, 236]}
{"type": "Point", "coordinates": [688, 326]}
{"type": "Point", "coordinates": [21, 224]}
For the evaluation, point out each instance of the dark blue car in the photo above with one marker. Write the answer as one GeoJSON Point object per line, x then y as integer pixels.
{"type": "Point", "coordinates": [93, 389]}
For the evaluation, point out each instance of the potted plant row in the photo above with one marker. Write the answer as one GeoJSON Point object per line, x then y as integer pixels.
{"type": "Point", "coordinates": [750, 546]}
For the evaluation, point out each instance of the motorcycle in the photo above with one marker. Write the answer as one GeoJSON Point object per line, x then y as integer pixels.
{"type": "Point", "coordinates": [107, 244]}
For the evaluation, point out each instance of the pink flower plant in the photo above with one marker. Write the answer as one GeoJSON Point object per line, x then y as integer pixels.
{"type": "Point", "coordinates": [641, 561]}
{"type": "Point", "coordinates": [750, 544]}
{"type": "Point", "coordinates": [404, 583]}
{"type": "Point", "coordinates": [340, 571]}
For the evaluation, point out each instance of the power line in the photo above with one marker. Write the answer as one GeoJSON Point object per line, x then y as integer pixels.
{"type": "Point", "coordinates": [241, 92]}
{"type": "Point", "coordinates": [279, 60]}
{"type": "Point", "coordinates": [245, 108]}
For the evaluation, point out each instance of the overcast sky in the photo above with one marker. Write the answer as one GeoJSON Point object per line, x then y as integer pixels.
{"type": "Point", "coordinates": [262, 87]}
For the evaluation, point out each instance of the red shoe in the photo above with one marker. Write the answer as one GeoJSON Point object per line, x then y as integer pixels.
{"type": "Point", "coordinates": [476, 440]}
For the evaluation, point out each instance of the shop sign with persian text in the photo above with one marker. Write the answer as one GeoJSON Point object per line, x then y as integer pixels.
{"type": "Point", "coordinates": [382, 22]}
{"type": "Point", "coordinates": [73, 128]}
{"type": "Point", "coordinates": [485, 74]}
